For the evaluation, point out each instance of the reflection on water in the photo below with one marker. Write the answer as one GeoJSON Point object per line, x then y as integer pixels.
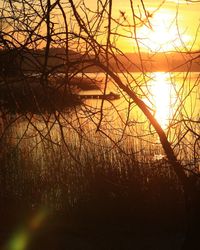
{"type": "Point", "coordinates": [122, 121]}
{"type": "Point", "coordinates": [163, 97]}
{"type": "Point", "coordinates": [172, 97]}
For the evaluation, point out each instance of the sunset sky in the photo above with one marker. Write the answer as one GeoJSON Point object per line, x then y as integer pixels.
{"type": "Point", "coordinates": [172, 25]}
{"type": "Point", "coordinates": [164, 35]}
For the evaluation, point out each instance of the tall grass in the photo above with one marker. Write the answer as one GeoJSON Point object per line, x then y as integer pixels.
{"type": "Point", "coordinates": [98, 181]}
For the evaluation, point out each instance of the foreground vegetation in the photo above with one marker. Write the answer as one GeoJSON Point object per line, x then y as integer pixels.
{"type": "Point", "coordinates": [103, 200]}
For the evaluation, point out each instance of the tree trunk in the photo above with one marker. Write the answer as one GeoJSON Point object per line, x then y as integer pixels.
{"type": "Point", "coordinates": [190, 184]}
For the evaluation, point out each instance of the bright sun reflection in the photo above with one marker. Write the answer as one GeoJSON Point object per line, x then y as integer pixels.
{"type": "Point", "coordinates": [163, 97]}
{"type": "Point", "coordinates": [164, 35]}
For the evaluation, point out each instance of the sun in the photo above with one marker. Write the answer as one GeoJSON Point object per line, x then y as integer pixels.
{"type": "Point", "coordinates": [164, 34]}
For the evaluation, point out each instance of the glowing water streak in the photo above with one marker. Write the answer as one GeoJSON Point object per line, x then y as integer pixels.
{"type": "Point", "coordinates": [163, 97]}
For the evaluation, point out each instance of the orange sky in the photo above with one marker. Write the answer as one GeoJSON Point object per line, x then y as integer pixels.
{"type": "Point", "coordinates": [166, 28]}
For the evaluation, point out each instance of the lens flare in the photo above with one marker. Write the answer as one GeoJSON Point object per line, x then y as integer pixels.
{"type": "Point", "coordinates": [19, 241]}
{"type": "Point", "coordinates": [23, 236]}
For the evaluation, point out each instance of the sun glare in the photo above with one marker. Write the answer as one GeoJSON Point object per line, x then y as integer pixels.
{"type": "Point", "coordinates": [164, 34]}
{"type": "Point", "coordinates": [163, 97]}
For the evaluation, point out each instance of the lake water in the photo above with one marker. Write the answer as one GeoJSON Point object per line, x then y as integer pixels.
{"type": "Point", "coordinates": [165, 93]}
{"type": "Point", "coordinates": [174, 99]}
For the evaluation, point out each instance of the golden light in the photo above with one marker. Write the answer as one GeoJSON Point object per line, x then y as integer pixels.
{"type": "Point", "coordinates": [163, 97]}
{"type": "Point", "coordinates": [165, 35]}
